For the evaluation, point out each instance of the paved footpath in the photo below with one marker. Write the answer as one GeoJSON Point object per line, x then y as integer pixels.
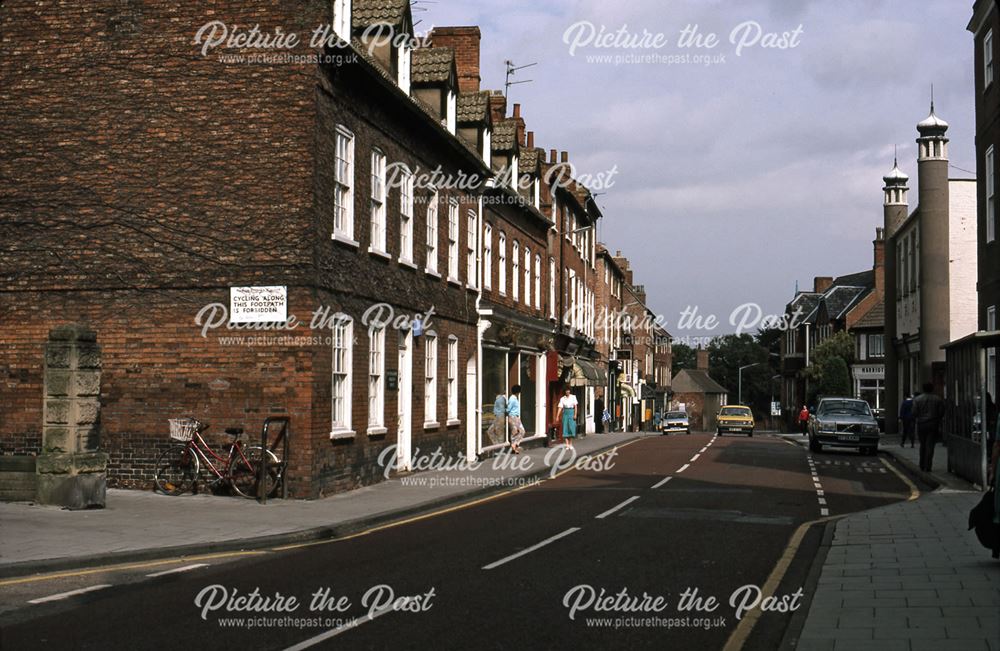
{"type": "Point", "coordinates": [142, 524]}
{"type": "Point", "coordinates": [909, 576]}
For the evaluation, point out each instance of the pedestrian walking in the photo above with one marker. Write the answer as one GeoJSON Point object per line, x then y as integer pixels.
{"type": "Point", "coordinates": [906, 418]}
{"type": "Point", "coordinates": [599, 410]}
{"type": "Point", "coordinates": [928, 411]}
{"type": "Point", "coordinates": [514, 418]}
{"type": "Point", "coordinates": [567, 416]}
{"type": "Point", "coordinates": [804, 420]}
{"type": "Point", "coordinates": [497, 430]}
{"type": "Point", "coordinates": [657, 418]}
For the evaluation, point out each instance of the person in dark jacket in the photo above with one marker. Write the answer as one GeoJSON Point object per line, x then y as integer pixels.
{"type": "Point", "coordinates": [928, 411]}
{"type": "Point", "coordinates": [906, 418]}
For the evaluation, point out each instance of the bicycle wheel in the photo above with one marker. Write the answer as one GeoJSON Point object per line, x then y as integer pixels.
{"type": "Point", "coordinates": [176, 470]}
{"type": "Point", "coordinates": [244, 474]}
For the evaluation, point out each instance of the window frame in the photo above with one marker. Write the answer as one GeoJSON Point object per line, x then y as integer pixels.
{"type": "Point", "coordinates": [515, 271]}
{"type": "Point", "coordinates": [406, 188]}
{"type": "Point", "coordinates": [451, 380]}
{"type": "Point", "coordinates": [991, 191]}
{"type": "Point", "coordinates": [502, 260]}
{"type": "Point", "coordinates": [378, 229]}
{"type": "Point", "coordinates": [342, 331]}
{"type": "Point", "coordinates": [343, 172]}
{"type": "Point", "coordinates": [487, 256]}
{"type": "Point", "coordinates": [431, 235]}
{"type": "Point", "coordinates": [430, 380]}
{"type": "Point", "coordinates": [376, 381]}
{"type": "Point", "coordinates": [453, 271]}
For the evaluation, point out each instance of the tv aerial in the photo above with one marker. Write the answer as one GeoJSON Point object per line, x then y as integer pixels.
{"type": "Point", "coordinates": [512, 70]}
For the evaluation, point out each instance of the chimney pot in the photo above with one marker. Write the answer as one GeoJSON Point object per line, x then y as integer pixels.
{"type": "Point", "coordinates": [565, 156]}
{"type": "Point", "coordinates": [517, 110]}
{"type": "Point", "coordinates": [531, 140]}
{"type": "Point", "coordinates": [553, 157]}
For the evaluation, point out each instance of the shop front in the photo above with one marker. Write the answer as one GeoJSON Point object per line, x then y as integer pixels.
{"type": "Point", "coordinates": [503, 368]}
{"type": "Point", "coordinates": [972, 414]}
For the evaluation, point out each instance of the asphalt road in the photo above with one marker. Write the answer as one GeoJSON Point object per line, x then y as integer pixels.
{"type": "Point", "coordinates": [522, 571]}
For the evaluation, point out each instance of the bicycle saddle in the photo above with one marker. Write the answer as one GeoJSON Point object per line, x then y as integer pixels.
{"type": "Point", "coordinates": [234, 431]}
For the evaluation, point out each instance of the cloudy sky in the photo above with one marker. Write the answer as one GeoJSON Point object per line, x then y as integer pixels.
{"type": "Point", "coordinates": [738, 178]}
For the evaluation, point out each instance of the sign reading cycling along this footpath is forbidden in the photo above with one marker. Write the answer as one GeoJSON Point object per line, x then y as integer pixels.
{"type": "Point", "coordinates": [258, 304]}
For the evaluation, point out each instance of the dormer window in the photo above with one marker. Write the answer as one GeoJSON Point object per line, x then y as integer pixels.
{"type": "Point", "coordinates": [342, 19]}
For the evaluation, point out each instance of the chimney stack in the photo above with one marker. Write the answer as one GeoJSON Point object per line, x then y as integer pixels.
{"type": "Point", "coordinates": [465, 42]}
{"type": "Point", "coordinates": [702, 357]}
{"type": "Point", "coordinates": [879, 265]}
{"type": "Point", "coordinates": [553, 157]}
{"type": "Point", "coordinates": [498, 106]}
{"type": "Point", "coordinates": [531, 140]}
{"type": "Point", "coordinates": [822, 283]}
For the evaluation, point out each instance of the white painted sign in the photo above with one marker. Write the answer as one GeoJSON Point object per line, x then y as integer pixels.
{"type": "Point", "coordinates": [258, 304]}
{"type": "Point", "coordinates": [775, 408]}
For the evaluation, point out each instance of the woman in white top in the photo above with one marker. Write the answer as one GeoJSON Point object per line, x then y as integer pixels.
{"type": "Point", "coordinates": [567, 414]}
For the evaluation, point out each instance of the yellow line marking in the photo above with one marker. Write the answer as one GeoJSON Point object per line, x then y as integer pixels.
{"type": "Point", "coordinates": [745, 627]}
{"type": "Point", "coordinates": [123, 566]}
{"type": "Point", "coordinates": [450, 509]}
{"type": "Point", "coordinates": [914, 491]}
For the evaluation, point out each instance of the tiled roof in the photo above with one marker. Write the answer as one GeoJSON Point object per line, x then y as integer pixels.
{"type": "Point", "coordinates": [473, 107]}
{"type": "Point", "coordinates": [693, 380]}
{"type": "Point", "coordinates": [838, 299]}
{"type": "Point", "coordinates": [528, 161]}
{"type": "Point", "coordinates": [873, 318]}
{"type": "Point", "coordinates": [432, 65]}
{"type": "Point", "coordinates": [374, 12]}
{"type": "Point", "coordinates": [504, 135]}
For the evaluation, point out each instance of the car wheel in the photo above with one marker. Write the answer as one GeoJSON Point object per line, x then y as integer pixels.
{"type": "Point", "coordinates": [688, 431]}
{"type": "Point", "coordinates": [718, 433]}
{"type": "Point", "coordinates": [751, 434]}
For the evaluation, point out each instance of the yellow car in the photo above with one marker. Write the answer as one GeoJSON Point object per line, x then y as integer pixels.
{"type": "Point", "coordinates": [734, 418]}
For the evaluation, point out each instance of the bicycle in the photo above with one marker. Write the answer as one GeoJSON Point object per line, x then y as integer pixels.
{"type": "Point", "coordinates": [179, 466]}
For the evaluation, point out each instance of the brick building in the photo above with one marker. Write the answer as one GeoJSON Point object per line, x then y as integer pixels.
{"type": "Point", "coordinates": [158, 210]}
{"type": "Point", "coordinates": [164, 172]}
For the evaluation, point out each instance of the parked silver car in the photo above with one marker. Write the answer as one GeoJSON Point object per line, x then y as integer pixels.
{"type": "Point", "coordinates": [844, 422]}
{"type": "Point", "coordinates": [675, 422]}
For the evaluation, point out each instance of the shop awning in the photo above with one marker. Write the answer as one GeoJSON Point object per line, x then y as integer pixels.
{"type": "Point", "coordinates": [585, 374]}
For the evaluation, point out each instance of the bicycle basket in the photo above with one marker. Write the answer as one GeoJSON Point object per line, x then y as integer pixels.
{"type": "Point", "coordinates": [183, 429]}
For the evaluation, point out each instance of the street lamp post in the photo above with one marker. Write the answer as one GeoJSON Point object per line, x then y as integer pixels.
{"type": "Point", "coordinates": [740, 377]}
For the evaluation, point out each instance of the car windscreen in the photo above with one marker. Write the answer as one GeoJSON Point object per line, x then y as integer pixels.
{"type": "Point", "coordinates": [676, 414]}
{"type": "Point", "coordinates": [844, 407]}
{"type": "Point", "coordinates": [735, 411]}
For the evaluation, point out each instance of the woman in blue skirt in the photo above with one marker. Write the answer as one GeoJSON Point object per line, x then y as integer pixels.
{"type": "Point", "coordinates": [567, 415]}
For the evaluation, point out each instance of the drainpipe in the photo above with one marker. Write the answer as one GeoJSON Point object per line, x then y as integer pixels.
{"type": "Point", "coordinates": [472, 444]}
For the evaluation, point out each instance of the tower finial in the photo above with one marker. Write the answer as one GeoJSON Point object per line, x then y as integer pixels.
{"type": "Point", "coordinates": [932, 98]}
{"type": "Point", "coordinates": [895, 155]}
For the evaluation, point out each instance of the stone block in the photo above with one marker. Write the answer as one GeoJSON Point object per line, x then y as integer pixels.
{"type": "Point", "coordinates": [88, 437]}
{"type": "Point", "coordinates": [57, 411]}
{"type": "Point", "coordinates": [57, 356]}
{"type": "Point", "coordinates": [88, 356]}
{"type": "Point", "coordinates": [90, 462]}
{"type": "Point", "coordinates": [58, 438]}
{"type": "Point", "coordinates": [54, 464]}
{"type": "Point", "coordinates": [57, 382]}
{"type": "Point", "coordinates": [87, 410]}
{"type": "Point", "coordinates": [73, 491]}
{"type": "Point", "coordinates": [88, 383]}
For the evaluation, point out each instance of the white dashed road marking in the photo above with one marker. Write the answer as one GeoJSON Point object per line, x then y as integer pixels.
{"type": "Point", "coordinates": [71, 593]}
